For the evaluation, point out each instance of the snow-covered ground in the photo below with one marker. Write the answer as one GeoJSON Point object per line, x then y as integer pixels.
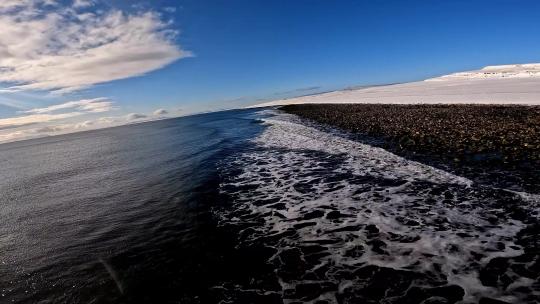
{"type": "Point", "coordinates": [503, 84]}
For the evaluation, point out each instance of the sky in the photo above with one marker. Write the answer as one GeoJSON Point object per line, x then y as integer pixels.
{"type": "Point", "coordinates": [73, 65]}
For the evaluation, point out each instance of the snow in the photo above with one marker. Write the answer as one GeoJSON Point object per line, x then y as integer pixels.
{"type": "Point", "coordinates": [503, 84]}
{"type": "Point", "coordinates": [530, 70]}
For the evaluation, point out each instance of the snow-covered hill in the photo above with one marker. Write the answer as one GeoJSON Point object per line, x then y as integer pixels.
{"type": "Point", "coordinates": [529, 70]}
{"type": "Point", "coordinates": [503, 84]}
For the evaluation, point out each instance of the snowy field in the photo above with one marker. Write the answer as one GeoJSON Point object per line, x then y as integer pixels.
{"type": "Point", "coordinates": [504, 84]}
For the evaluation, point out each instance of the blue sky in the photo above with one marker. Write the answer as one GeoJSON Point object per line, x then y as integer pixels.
{"type": "Point", "coordinates": [177, 57]}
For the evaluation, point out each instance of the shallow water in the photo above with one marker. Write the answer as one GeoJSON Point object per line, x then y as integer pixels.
{"type": "Point", "coordinates": [253, 207]}
{"type": "Point", "coordinates": [351, 223]}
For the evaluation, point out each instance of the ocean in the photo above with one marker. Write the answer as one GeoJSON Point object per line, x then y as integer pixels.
{"type": "Point", "coordinates": [253, 206]}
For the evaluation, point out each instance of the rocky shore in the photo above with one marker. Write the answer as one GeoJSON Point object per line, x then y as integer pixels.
{"type": "Point", "coordinates": [504, 136]}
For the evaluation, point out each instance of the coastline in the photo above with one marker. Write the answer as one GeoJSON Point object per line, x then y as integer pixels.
{"type": "Point", "coordinates": [464, 138]}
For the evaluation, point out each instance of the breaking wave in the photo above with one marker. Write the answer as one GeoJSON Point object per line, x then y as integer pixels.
{"type": "Point", "coordinates": [347, 222]}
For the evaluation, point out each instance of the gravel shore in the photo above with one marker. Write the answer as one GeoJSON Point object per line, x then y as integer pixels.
{"type": "Point", "coordinates": [500, 136]}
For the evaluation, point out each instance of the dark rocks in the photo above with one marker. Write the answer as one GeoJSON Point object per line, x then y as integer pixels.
{"type": "Point", "coordinates": [502, 136]}
{"type": "Point", "coordinates": [493, 132]}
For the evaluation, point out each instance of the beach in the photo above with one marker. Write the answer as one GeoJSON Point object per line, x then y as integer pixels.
{"type": "Point", "coordinates": [272, 208]}
{"type": "Point", "coordinates": [487, 136]}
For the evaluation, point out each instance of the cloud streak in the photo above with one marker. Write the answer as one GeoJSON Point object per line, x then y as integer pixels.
{"type": "Point", "coordinates": [96, 105]}
{"type": "Point", "coordinates": [70, 48]}
{"type": "Point", "coordinates": [34, 119]}
{"type": "Point", "coordinates": [50, 127]}
{"type": "Point", "coordinates": [135, 116]}
{"type": "Point", "coordinates": [160, 112]}
{"type": "Point", "coordinates": [50, 113]}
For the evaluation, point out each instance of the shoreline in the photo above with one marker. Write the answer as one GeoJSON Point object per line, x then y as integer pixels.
{"type": "Point", "coordinates": [499, 142]}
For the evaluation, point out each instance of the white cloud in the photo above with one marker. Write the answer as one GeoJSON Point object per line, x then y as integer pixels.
{"type": "Point", "coordinates": [85, 124]}
{"type": "Point", "coordinates": [49, 130]}
{"type": "Point", "coordinates": [135, 116]}
{"type": "Point", "coordinates": [107, 119]}
{"type": "Point", "coordinates": [95, 105]}
{"type": "Point", "coordinates": [82, 3]}
{"type": "Point", "coordinates": [34, 119]}
{"type": "Point", "coordinates": [54, 129]}
{"type": "Point", "coordinates": [159, 112]}
{"type": "Point", "coordinates": [170, 9]}
{"type": "Point", "coordinates": [47, 114]}
{"type": "Point", "coordinates": [67, 49]}
{"type": "Point", "coordinates": [11, 5]}
{"type": "Point", "coordinates": [47, 125]}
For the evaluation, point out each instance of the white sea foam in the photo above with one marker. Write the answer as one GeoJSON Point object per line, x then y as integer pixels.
{"type": "Point", "coordinates": [286, 131]}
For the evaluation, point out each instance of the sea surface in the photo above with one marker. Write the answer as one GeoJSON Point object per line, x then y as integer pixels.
{"type": "Point", "coordinates": [253, 206]}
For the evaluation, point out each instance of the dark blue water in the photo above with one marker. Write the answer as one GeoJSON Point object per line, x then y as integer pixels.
{"type": "Point", "coordinates": [115, 214]}
{"type": "Point", "coordinates": [254, 206]}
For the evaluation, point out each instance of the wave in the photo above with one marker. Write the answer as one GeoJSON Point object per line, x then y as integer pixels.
{"type": "Point", "coordinates": [349, 222]}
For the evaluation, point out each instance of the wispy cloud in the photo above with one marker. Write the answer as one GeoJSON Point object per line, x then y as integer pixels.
{"type": "Point", "coordinates": [135, 116]}
{"type": "Point", "coordinates": [69, 48]}
{"type": "Point", "coordinates": [96, 105]}
{"type": "Point", "coordinates": [49, 124]}
{"type": "Point", "coordinates": [40, 125]}
{"type": "Point", "coordinates": [10, 5]}
{"type": "Point", "coordinates": [82, 3]}
{"type": "Point", "coordinates": [299, 90]}
{"type": "Point", "coordinates": [49, 130]}
{"type": "Point", "coordinates": [50, 113]}
{"type": "Point", "coordinates": [170, 9]}
{"type": "Point", "coordinates": [34, 119]}
{"type": "Point", "coordinates": [160, 112]}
